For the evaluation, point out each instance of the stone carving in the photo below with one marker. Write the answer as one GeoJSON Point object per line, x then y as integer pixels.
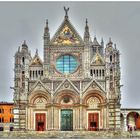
{"type": "Point", "coordinates": [66, 85]}
{"type": "Point", "coordinates": [93, 102]}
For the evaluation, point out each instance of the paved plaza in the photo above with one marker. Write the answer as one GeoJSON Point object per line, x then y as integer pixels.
{"type": "Point", "coordinates": [70, 135]}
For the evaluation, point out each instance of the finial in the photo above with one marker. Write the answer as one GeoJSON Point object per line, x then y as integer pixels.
{"type": "Point", "coordinates": [102, 40]}
{"type": "Point", "coordinates": [115, 45]}
{"type": "Point", "coordinates": [24, 42]}
{"type": "Point", "coordinates": [66, 11]}
{"type": "Point", "coordinates": [110, 39]}
{"type": "Point", "coordinates": [46, 22]}
{"type": "Point", "coordinates": [19, 49]}
{"type": "Point", "coordinates": [86, 21]}
{"type": "Point", "coordinates": [36, 52]}
{"type": "Point", "coordinates": [95, 37]}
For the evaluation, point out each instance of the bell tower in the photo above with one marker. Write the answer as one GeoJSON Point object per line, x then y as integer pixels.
{"type": "Point", "coordinates": [113, 84]}
{"type": "Point", "coordinates": [22, 60]}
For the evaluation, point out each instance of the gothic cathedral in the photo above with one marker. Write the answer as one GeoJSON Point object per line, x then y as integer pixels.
{"type": "Point", "coordinates": [75, 87]}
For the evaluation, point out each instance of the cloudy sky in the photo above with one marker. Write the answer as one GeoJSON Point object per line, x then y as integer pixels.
{"type": "Point", "coordinates": [26, 20]}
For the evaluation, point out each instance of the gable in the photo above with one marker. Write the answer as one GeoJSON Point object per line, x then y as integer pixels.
{"type": "Point", "coordinates": [36, 61]}
{"type": "Point", "coordinates": [66, 85]}
{"type": "Point", "coordinates": [94, 85]}
{"type": "Point", "coordinates": [39, 86]}
{"type": "Point", "coordinates": [97, 60]}
{"type": "Point", "coordinates": [66, 35]}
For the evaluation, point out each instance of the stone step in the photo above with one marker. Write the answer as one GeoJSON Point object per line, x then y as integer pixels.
{"type": "Point", "coordinates": [69, 134]}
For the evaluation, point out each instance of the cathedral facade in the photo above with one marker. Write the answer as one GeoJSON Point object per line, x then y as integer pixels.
{"type": "Point", "coordinates": [75, 87]}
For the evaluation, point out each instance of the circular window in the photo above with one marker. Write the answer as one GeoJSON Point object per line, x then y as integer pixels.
{"type": "Point", "coordinates": [66, 64]}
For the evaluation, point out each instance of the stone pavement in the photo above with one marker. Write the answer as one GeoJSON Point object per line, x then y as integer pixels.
{"type": "Point", "coordinates": [69, 135]}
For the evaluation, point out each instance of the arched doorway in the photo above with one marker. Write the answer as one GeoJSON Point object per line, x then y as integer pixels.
{"type": "Point", "coordinates": [133, 121]}
{"type": "Point", "coordinates": [38, 111]}
{"type": "Point", "coordinates": [93, 115]}
{"type": "Point", "coordinates": [66, 100]}
{"type": "Point", "coordinates": [95, 110]}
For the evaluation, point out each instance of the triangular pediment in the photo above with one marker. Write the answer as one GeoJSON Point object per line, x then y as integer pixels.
{"type": "Point", "coordinates": [36, 61]}
{"type": "Point", "coordinates": [97, 60]}
{"type": "Point", "coordinates": [66, 35]}
{"type": "Point", "coordinates": [39, 86]}
{"type": "Point", "coordinates": [94, 85]}
{"type": "Point", "coordinates": [66, 84]}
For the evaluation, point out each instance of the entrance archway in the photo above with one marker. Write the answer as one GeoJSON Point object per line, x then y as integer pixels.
{"type": "Point", "coordinates": [132, 121]}
{"type": "Point", "coordinates": [37, 112]}
{"type": "Point", "coordinates": [95, 110]}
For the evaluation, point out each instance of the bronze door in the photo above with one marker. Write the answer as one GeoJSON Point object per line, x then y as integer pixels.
{"type": "Point", "coordinates": [66, 120]}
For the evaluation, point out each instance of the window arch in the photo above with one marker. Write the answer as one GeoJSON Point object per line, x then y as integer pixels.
{"type": "Point", "coordinates": [23, 60]}
{"type": "Point", "coordinates": [110, 58]}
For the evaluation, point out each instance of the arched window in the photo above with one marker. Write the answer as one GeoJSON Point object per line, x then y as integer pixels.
{"type": "Point", "coordinates": [36, 74]}
{"type": "Point", "coordinates": [23, 60]}
{"type": "Point", "coordinates": [100, 72]}
{"type": "Point", "coordinates": [42, 72]}
{"type": "Point", "coordinates": [103, 72]}
{"type": "Point", "coordinates": [110, 58]}
{"type": "Point", "coordinates": [39, 72]}
{"type": "Point", "coordinates": [97, 72]}
{"type": "Point", "coordinates": [91, 72]}
{"type": "Point", "coordinates": [110, 70]}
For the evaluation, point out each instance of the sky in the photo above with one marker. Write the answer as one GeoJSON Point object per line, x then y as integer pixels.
{"type": "Point", "coordinates": [21, 21]}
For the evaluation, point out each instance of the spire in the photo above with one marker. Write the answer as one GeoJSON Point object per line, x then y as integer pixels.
{"type": "Point", "coordinates": [36, 52]}
{"type": "Point", "coordinates": [47, 27]}
{"type": "Point", "coordinates": [115, 45]}
{"type": "Point", "coordinates": [86, 22]}
{"type": "Point", "coordinates": [102, 42]}
{"type": "Point", "coordinates": [24, 45]}
{"type": "Point", "coordinates": [19, 49]}
{"type": "Point", "coordinates": [24, 42]}
{"type": "Point", "coordinates": [95, 42]}
{"type": "Point", "coordinates": [110, 42]}
{"type": "Point", "coordinates": [46, 32]}
{"type": "Point", "coordinates": [66, 12]}
{"type": "Point", "coordinates": [86, 33]}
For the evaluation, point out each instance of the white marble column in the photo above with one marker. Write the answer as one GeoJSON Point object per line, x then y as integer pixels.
{"type": "Point", "coordinates": [125, 122]}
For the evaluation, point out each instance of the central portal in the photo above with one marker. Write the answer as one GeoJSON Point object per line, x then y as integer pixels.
{"type": "Point", "coordinates": [66, 120]}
